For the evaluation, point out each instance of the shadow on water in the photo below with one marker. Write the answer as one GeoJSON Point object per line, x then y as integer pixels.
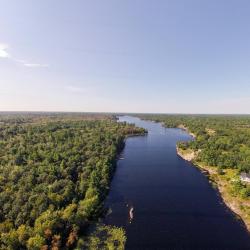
{"type": "Point", "coordinates": [174, 206]}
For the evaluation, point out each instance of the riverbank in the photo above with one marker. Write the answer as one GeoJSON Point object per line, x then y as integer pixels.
{"type": "Point", "coordinates": [98, 234]}
{"type": "Point", "coordinates": [137, 134]}
{"type": "Point", "coordinates": [147, 179]}
{"type": "Point", "coordinates": [224, 183]}
{"type": "Point", "coordinates": [181, 126]}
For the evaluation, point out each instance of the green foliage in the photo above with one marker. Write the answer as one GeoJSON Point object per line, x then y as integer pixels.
{"type": "Point", "coordinates": [116, 239]}
{"type": "Point", "coordinates": [222, 140]}
{"type": "Point", "coordinates": [36, 242]}
{"type": "Point", "coordinates": [241, 189]}
{"type": "Point", "coordinates": [182, 145]}
{"type": "Point", "coordinates": [245, 192]}
{"type": "Point", "coordinates": [104, 238]}
{"type": "Point", "coordinates": [55, 171]}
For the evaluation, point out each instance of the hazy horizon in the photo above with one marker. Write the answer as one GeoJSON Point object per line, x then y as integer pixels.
{"type": "Point", "coordinates": [179, 57]}
{"type": "Point", "coordinates": [120, 113]}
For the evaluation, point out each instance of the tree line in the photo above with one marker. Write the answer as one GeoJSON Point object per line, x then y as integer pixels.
{"type": "Point", "coordinates": [223, 141]}
{"type": "Point", "coordinates": [55, 172]}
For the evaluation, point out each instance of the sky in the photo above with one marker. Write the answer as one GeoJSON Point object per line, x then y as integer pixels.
{"type": "Point", "coordinates": [163, 56]}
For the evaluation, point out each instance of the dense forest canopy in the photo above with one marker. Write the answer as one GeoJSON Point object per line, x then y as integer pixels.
{"type": "Point", "coordinates": [55, 171]}
{"type": "Point", "coordinates": [222, 140]}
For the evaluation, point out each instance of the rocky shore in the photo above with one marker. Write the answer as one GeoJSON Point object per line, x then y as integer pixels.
{"type": "Point", "coordinates": [240, 207]}
{"type": "Point", "coordinates": [181, 126]}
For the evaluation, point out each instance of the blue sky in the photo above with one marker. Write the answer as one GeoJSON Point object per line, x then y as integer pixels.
{"type": "Point", "coordinates": [168, 56]}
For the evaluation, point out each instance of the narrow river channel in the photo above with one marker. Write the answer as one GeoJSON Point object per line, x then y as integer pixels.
{"type": "Point", "coordinates": [175, 207]}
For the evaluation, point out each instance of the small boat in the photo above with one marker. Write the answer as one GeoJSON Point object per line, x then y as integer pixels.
{"type": "Point", "coordinates": [121, 158]}
{"type": "Point", "coordinates": [131, 214]}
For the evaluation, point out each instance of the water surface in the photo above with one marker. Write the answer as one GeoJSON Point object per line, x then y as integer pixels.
{"type": "Point", "coordinates": [175, 207]}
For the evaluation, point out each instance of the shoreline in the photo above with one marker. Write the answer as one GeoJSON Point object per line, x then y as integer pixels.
{"type": "Point", "coordinates": [219, 182]}
{"type": "Point", "coordinates": [136, 134]}
{"type": "Point", "coordinates": [181, 126]}
{"type": "Point", "coordinates": [222, 185]}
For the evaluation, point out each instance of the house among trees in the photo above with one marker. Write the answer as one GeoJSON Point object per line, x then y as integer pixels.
{"type": "Point", "coordinates": [245, 177]}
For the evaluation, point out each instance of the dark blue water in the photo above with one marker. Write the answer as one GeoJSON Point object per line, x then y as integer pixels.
{"type": "Point", "coordinates": [175, 207]}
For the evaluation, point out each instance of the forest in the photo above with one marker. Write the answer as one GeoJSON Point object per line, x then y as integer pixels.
{"type": "Point", "coordinates": [55, 172]}
{"type": "Point", "coordinates": [223, 141]}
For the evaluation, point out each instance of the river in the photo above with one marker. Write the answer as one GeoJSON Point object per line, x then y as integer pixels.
{"type": "Point", "coordinates": [175, 207]}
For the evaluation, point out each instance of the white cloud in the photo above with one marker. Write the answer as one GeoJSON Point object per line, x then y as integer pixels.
{"type": "Point", "coordinates": [3, 52]}
{"type": "Point", "coordinates": [35, 65]}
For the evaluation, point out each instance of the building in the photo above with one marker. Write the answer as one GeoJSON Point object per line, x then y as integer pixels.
{"type": "Point", "coordinates": [245, 177]}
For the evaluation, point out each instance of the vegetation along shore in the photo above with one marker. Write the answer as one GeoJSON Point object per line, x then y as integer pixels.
{"type": "Point", "coordinates": [55, 172]}
{"type": "Point", "coordinates": [221, 150]}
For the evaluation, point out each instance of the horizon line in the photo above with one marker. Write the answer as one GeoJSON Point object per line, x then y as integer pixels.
{"type": "Point", "coordinates": [115, 112]}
